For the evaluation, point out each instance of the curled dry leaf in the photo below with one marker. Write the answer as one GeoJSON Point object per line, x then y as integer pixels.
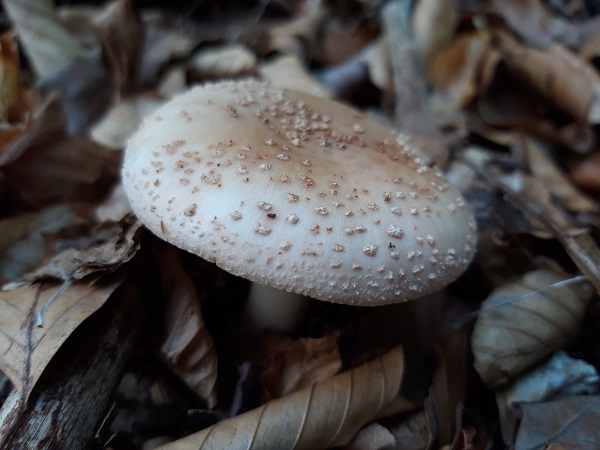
{"type": "Point", "coordinates": [571, 421]}
{"type": "Point", "coordinates": [559, 75]}
{"type": "Point", "coordinates": [524, 321]}
{"type": "Point", "coordinates": [223, 62]}
{"type": "Point", "coordinates": [288, 72]}
{"type": "Point", "coordinates": [326, 414]}
{"type": "Point", "coordinates": [26, 348]}
{"type": "Point", "coordinates": [123, 119]}
{"type": "Point", "coordinates": [585, 174]}
{"type": "Point", "coordinates": [117, 244]}
{"type": "Point", "coordinates": [561, 376]}
{"type": "Point", "coordinates": [187, 346]}
{"type": "Point", "coordinates": [22, 243]}
{"type": "Point", "coordinates": [10, 77]}
{"type": "Point", "coordinates": [300, 364]}
{"type": "Point", "coordinates": [47, 43]}
{"type": "Point", "coordinates": [372, 437]}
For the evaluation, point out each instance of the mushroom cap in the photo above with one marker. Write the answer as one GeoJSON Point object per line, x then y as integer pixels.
{"type": "Point", "coordinates": [297, 192]}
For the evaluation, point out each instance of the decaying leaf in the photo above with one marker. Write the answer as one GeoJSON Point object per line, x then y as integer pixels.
{"type": "Point", "coordinates": [300, 364]}
{"type": "Point", "coordinates": [288, 72]}
{"type": "Point", "coordinates": [326, 414]}
{"type": "Point", "coordinates": [524, 321]}
{"type": "Point", "coordinates": [187, 346]}
{"type": "Point", "coordinates": [10, 77]}
{"type": "Point", "coordinates": [571, 421]}
{"type": "Point", "coordinates": [585, 174]}
{"type": "Point", "coordinates": [27, 348]}
{"type": "Point", "coordinates": [37, 22]}
{"type": "Point", "coordinates": [559, 377]}
{"type": "Point", "coordinates": [372, 437]}
{"type": "Point", "coordinates": [113, 245]}
{"type": "Point", "coordinates": [223, 62]}
{"type": "Point", "coordinates": [22, 244]}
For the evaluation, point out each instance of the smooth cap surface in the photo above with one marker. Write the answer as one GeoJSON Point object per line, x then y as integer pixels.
{"type": "Point", "coordinates": [297, 192]}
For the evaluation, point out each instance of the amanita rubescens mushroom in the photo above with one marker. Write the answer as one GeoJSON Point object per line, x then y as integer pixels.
{"type": "Point", "coordinates": [297, 192]}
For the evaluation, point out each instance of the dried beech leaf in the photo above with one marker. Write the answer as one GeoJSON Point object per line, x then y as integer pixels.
{"type": "Point", "coordinates": [524, 321]}
{"type": "Point", "coordinates": [187, 346]}
{"type": "Point", "coordinates": [117, 244]}
{"type": "Point", "coordinates": [27, 348]}
{"type": "Point", "coordinates": [552, 177]}
{"type": "Point", "coordinates": [48, 45]}
{"type": "Point", "coordinates": [585, 174]}
{"type": "Point", "coordinates": [123, 119]}
{"type": "Point", "coordinates": [223, 62]}
{"type": "Point", "coordinates": [70, 169]}
{"type": "Point", "coordinates": [121, 35]}
{"type": "Point", "coordinates": [10, 77]}
{"type": "Point", "coordinates": [288, 72]}
{"type": "Point", "coordinates": [22, 243]}
{"type": "Point", "coordinates": [561, 376]}
{"type": "Point", "coordinates": [455, 71]}
{"type": "Point", "coordinates": [372, 437]}
{"type": "Point", "coordinates": [572, 422]}
{"type": "Point", "coordinates": [559, 75]}
{"type": "Point", "coordinates": [326, 414]}
{"type": "Point", "coordinates": [301, 363]}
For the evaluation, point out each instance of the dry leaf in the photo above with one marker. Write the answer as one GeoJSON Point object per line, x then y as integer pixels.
{"type": "Point", "coordinates": [70, 169]}
{"type": "Point", "coordinates": [559, 75]}
{"type": "Point", "coordinates": [433, 25]}
{"type": "Point", "coordinates": [26, 348]}
{"type": "Point", "coordinates": [455, 71]}
{"type": "Point", "coordinates": [572, 422]}
{"type": "Point", "coordinates": [288, 72]}
{"type": "Point", "coordinates": [413, 430]}
{"type": "Point", "coordinates": [22, 243]}
{"type": "Point", "coordinates": [326, 414]}
{"type": "Point", "coordinates": [585, 174]}
{"type": "Point", "coordinates": [47, 43]}
{"type": "Point", "coordinates": [561, 376]}
{"type": "Point", "coordinates": [552, 177]}
{"type": "Point", "coordinates": [10, 77]}
{"type": "Point", "coordinates": [301, 363]}
{"type": "Point", "coordinates": [372, 437]}
{"type": "Point", "coordinates": [223, 62]}
{"type": "Point", "coordinates": [524, 321]}
{"type": "Point", "coordinates": [123, 119]}
{"type": "Point", "coordinates": [187, 347]}
{"type": "Point", "coordinates": [113, 245]}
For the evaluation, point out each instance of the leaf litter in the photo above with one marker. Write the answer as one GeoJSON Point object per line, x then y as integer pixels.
{"type": "Point", "coordinates": [503, 96]}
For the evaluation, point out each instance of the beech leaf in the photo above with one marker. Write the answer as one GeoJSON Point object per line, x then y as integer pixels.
{"type": "Point", "coordinates": [187, 347]}
{"type": "Point", "coordinates": [326, 414]}
{"type": "Point", "coordinates": [524, 321]}
{"type": "Point", "coordinates": [27, 348]}
{"type": "Point", "coordinates": [571, 421]}
{"type": "Point", "coordinates": [300, 364]}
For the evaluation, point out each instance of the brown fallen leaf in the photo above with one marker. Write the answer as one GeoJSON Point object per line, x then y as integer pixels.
{"type": "Point", "coordinates": [28, 348]}
{"type": "Point", "coordinates": [585, 174]}
{"type": "Point", "coordinates": [187, 346]}
{"type": "Point", "coordinates": [524, 321]}
{"type": "Point", "coordinates": [326, 414]}
{"type": "Point", "coordinates": [571, 422]}
{"type": "Point", "coordinates": [559, 377]}
{"type": "Point", "coordinates": [47, 43]}
{"type": "Point", "coordinates": [557, 74]}
{"type": "Point", "coordinates": [288, 72]}
{"type": "Point", "coordinates": [22, 243]}
{"type": "Point", "coordinates": [372, 437]}
{"type": "Point", "coordinates": [301, 363]}
{"type": "Point", "coordinates": [112, 245]}
{"type": "Point", "coordinates": [10, 78]}
{"type": "Point", "coordinates": [553, 178]}
{"type": "Point", "coordinates": [226, 61]}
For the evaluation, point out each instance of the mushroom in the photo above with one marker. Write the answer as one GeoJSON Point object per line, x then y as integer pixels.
{"type": "Point", "coordinates": [299, 193]}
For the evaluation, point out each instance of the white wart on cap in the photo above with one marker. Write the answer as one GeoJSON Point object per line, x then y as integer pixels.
{"type": "Point", "coordinates": [297, 192]}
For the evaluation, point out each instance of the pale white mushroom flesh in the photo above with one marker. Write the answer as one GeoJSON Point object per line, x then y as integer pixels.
{"type": "Point", "coordinates": [299, 193]}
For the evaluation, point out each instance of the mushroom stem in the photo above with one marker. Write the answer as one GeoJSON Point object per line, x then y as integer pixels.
{"type": "Point", "coordinates": [274, 309]}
